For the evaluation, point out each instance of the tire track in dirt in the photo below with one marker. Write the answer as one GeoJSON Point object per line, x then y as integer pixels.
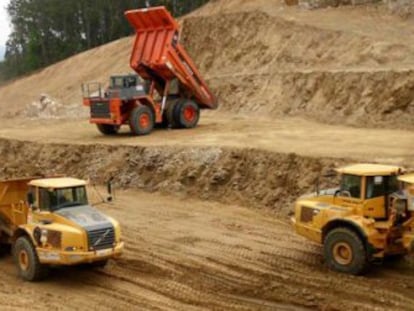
{"type": "Point", "coordinates": [243, 268]}
{"type": "Point", "coordinates": [180, 257]}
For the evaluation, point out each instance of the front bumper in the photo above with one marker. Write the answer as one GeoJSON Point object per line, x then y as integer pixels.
{"type": "Point", "coordinates": [64, 258]}
{"type": "Point", "coordinates": [108, 121]}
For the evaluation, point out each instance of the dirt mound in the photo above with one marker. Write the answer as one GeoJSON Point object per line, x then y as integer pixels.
{"type": "Point", "coordinates": [249, 177]}
{"type": "Point", "coordinates": [376, 99]}
{"type": "Point", "coordinates": [62, 81]}
{"type": "Point", "coordinates": [404, 8]}
{"type": "Point", "coordinates": [49, 108]}
{"type": "Point", "coordinates": [255, 42]}
{"type": "Point", "coordinates": [276, 75]}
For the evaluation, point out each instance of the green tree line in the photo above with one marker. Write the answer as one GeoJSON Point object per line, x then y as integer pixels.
{"type": "Point", "coordinates": [47, 31]}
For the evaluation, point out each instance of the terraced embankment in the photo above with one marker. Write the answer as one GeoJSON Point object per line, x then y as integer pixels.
{"type": "Point", "coordinates": [220, 240]}
{"type": "Point", "coordinates": [250, 177]}
{"type": "Point", "coordinates": [263, 59]}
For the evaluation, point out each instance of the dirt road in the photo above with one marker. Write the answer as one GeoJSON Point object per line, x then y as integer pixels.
{"type": "Point", "coordinates": [289, 81]}
{"type": "Point", "coordinates": [192, 255]}
{"type": "Point", "coordinates": [285, 135]}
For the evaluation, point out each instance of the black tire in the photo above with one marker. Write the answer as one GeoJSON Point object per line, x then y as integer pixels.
{"type": "Point", "coordinates": [345, 252]}
{"type": "Point", "coordinates": [167, 118]}
{"type": "Point", "coordinates": [99, 264]}
{"type": "Point", "coordinates": [186, 114]}
{"type": "Point", "coordinates": [142, 120]}
{"type": "Point", "coordinates": [108, 129]}
{"type": "Point", "coordinates": [4, 250]}
{"type": "Point", "coordinates": [27, 261]}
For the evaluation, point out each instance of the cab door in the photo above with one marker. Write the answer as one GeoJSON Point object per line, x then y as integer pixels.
{"type": "Point", "coordinates": [376, 195]}
{"type": "Point", "coordinates": [41, 211]}
{"type": "Point", "coordinates": [350, 193]}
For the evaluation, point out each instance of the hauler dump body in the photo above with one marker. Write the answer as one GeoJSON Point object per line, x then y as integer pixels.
{"type": "Point", "coordinates": [167, 88]}
{"type": "Point", "coordinates": [49, 222]}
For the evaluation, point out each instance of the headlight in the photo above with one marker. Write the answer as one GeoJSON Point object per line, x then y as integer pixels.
{"type": "Point", "coordinates": [43, 236]}
{"type": "Point", "coordinates": [37, 233]}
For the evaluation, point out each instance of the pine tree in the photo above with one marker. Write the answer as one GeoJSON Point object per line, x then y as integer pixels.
{"type": "Point", "coordinates": [47, 31]}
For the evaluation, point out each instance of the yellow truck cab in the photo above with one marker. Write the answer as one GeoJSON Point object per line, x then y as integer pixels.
{"type": "Point", "coordinates": [368, 217]}
{"type": "Point", "coordinates": [49, 222]}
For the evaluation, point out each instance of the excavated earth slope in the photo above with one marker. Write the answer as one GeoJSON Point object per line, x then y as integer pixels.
{"type": "Point", "coordinates": [212, 173]}
{"type": "Point", "coordinates": [263, 59]}
{"type": "Point", "coordinates": [263, 64]}
{"type": "Point", "coordinates": [220, 239]}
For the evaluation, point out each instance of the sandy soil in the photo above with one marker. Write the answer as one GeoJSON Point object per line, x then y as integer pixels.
{"type": "Point", "coordinates": [262, 58]}
{"type": "Point", "coordinates": [300, 94]}
{"type": "Point", "coordinates": [192, 255]}
{"type": "Point", "coordinates": [284, 135]}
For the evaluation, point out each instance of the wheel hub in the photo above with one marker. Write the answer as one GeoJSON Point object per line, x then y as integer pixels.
{"type": "Point", "coordinates": [343, 253]}
{"type": "Point", "coordinates": [144, 121]}
{"type": "Point", "coordinates": [189, 114]}
{"type": "Point", "coordinates": [23, 260]}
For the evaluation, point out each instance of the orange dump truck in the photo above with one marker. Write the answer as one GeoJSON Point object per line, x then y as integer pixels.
{"type": "Point", "coordinates": [167, 89]}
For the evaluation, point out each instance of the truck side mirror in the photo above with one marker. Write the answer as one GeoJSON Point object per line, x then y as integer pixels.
{"type": "Point", "coordinates": [109, 188]}
{"type": "Point", "coordinates": [30, 198]}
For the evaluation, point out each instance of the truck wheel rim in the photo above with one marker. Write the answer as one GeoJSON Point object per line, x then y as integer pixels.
{"type": "Point", "coordinates": [189, 113]}
{"type": "Point", "coordinates": [144, 121]}
{"type": "Point", "coordinates": [342, 253]}
{"type": "Point", "coordinates": [24, 260]}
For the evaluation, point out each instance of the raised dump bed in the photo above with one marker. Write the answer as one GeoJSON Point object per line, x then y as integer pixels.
{"type": "Point", "coordinates": [158, 54]}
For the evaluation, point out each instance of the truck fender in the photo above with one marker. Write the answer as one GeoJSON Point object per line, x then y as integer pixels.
{"type": "Point", "coordinates": [352, 224]}
{"type": "Point", "coordinates": [23, 231]}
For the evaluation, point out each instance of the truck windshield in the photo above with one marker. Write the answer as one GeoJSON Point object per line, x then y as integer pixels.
{"type": "Point", "coordinates": [63, 198]}
{"type": "Point", "coordinates": [117, 82]}
{"type": "Point", "coordinates": [351, 184]}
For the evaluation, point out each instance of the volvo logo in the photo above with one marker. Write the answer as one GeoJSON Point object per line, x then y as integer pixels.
{"type": "Point", "coordinates": [103, 236]}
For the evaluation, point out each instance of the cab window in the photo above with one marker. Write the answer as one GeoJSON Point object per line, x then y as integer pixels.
{"type": "Point", "coordinates": [351, 186]}
{"type": "Point", "coordinates": [47, 199]}
{"type": "Point", "coordinates": [130, 82]}
{"type": "Point", "coordinates": [53, 200]}
{"type": "Point", "coordinates": [117, 82]}
{"type": "Point", "coordinates": [32, 193]}
{"type": "Point", "coordinates": [69, 197]}
{"type": "Point", "coordinates": [378, 186]}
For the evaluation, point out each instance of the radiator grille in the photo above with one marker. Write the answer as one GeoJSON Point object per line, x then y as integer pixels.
{"type": "Point", "coordinates": [100, 110]}
{"type": "Point", "coordinates": [101, 238]}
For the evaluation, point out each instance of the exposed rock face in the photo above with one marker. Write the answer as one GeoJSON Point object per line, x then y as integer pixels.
{"type": "Point", "coordinates": [404, 8]}
{"type": "Point", "coordinates": [50, 108]}
{"type": "Point", "coordinates": [316, 4]}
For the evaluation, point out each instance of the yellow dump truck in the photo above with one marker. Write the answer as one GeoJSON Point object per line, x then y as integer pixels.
{"type": "Point", "coordinates": [368, 217]}
{"type": "Point", "coordinates": [49, 222]}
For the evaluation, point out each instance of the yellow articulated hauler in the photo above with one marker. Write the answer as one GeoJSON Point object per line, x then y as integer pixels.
{"type": "Point", "coordinates": [368, 217]}
{"type": "Point", "coordinates": [49, 222]}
